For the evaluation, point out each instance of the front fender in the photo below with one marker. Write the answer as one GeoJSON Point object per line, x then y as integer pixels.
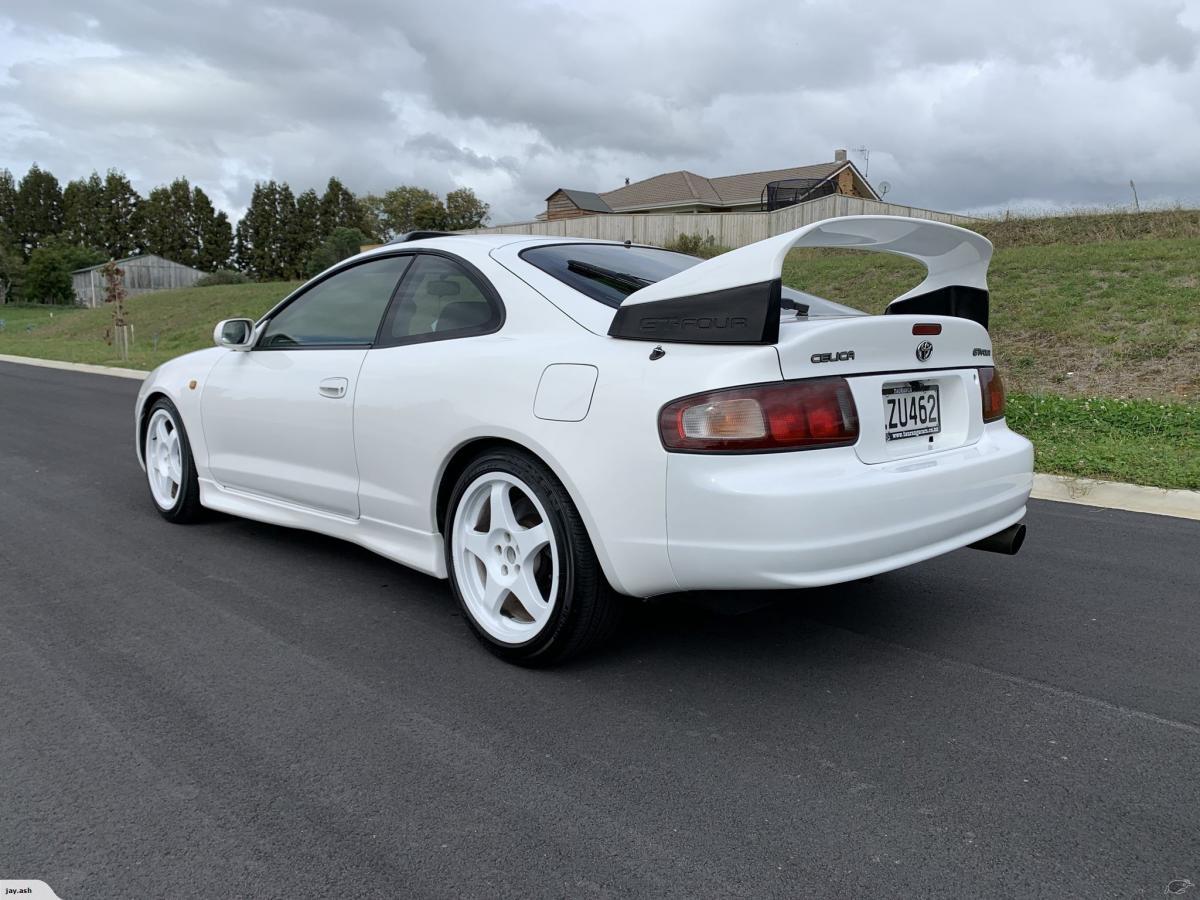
{"type": "Point", "coordinates": [180, 380]}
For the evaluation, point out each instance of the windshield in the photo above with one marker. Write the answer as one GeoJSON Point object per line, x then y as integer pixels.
{"type": "Point", "coordinates": [611, 272]}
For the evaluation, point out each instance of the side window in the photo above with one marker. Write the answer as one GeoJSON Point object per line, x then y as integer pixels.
{"type": "Point", "coordinates": [439, 299]}
{"type": "Point", "coordinates": [344, 309]}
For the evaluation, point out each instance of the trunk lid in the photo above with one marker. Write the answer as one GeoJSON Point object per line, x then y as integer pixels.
{"type": "Point", "coordinates": [881, 359]}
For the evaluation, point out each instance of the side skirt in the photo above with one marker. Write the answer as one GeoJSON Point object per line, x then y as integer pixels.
{"type": "Point", "coordinates": [416, 549]}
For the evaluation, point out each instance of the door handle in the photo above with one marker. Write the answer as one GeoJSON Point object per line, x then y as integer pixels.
{"type": "Point", "coordinates": [333, 387]}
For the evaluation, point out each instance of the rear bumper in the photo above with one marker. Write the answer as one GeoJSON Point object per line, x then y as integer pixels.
{"type": "Point", "coordinates": [824, 517]}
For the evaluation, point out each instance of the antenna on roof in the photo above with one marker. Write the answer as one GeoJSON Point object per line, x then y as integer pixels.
{"type": "Point", "coordinates": [884, 187]}
{"type": "Point", "coordinates": [627, 179]}
{"type": "Point", "coordinates": [866, 159]}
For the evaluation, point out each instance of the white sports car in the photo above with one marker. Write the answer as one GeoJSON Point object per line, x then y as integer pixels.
{"type": "Point", "coordinates": [552, 422]}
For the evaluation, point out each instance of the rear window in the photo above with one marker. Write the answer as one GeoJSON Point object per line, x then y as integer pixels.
{"type": "Point", "coordinates": [607, 272]}
{"type": "Point", "coordinates": [611, 272]}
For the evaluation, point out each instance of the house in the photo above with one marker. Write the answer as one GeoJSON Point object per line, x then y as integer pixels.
{"type": "Point", "coordinates": [144, 273]}
{"type": "Point", "coordinates": [687, 192]}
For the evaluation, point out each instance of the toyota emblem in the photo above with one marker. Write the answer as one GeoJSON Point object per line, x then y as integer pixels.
{"type": "Point", "coordinates": [924, 350]}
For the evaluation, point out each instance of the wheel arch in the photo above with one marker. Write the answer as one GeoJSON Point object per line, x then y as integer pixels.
{"type": "Point", "coordinates": [457, 462]}
{"type": "Point", "coordinates": [143, 419]}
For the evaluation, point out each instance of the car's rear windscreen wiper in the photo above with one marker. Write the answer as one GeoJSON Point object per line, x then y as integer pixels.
{"type": "Point", "coordinates": [619, 279]}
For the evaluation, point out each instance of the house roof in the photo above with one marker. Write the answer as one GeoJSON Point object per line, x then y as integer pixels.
{"type": "Point", "coordinates": [130, 259]}
{"type": "Point", "coordinates": [585, 200]}
{"type": "Point", "coordinates": [675, 188]}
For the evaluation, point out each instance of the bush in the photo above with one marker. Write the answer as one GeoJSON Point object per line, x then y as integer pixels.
{"type": "Point", "coordinates": [221, 276]}
{"type": "Point", "coordinates": [706, 247]}
{"type": "Point", "coordinates": [48, 275]}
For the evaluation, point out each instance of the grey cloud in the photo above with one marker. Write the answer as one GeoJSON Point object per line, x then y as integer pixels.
{"type": "Point", "coordinates": [964, 106]}
{"type": "Point", "coordinates": [439, 148]}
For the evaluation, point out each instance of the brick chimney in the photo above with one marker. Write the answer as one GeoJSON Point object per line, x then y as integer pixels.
{"type": "Point", "coordinates": [839, 155]}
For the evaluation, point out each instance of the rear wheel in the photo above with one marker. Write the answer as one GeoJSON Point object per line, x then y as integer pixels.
{"type": "Point", "coordinates": [521, 563]}
{"type": "Point", "coordinates": [170, 470]}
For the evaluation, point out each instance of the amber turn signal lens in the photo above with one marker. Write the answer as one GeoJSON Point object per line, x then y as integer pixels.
{"type": "Point", "coordinates": [992, 390]}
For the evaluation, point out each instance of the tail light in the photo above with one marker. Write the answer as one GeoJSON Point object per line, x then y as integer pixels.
{"type": "Point", "coordinates": [992, 389]}
{"type": "Point", "coordinates": [789, 415]}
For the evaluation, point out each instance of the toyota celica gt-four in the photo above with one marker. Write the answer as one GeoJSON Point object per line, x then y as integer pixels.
{"type": "Point", "coordinates": [551, 423]}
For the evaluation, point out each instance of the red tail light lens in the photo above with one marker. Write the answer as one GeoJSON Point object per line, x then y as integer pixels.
{"type": "Point", "coordinates": [789, 415]}
{"type": "Point", "coordinates": [992, 389]}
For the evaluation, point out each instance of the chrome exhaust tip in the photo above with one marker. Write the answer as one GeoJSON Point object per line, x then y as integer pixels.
{"type": "Point", "coordinates": [1008, 541]}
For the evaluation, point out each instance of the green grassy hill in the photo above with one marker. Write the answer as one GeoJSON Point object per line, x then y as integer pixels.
{"type": "Point", "coordinates": [182, 319]}
{"type": "Point", "coordinates": [1083, 307]}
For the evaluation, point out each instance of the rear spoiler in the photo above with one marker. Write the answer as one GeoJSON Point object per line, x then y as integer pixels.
{"type": "Point", "coordinates": [735, 298]}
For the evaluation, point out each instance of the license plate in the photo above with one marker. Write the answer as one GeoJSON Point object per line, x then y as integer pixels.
{"type": "Point", "coordinates": [911, 410]}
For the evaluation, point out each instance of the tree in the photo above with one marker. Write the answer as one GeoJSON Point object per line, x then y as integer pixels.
{"type": "Point", "coordinates": [120, 225]}
{"type": "Point", "coordinates": [167, 225]}
{"type": "Point", "coordinates": [48, 275]}
{"type": "Point", "coordinates": [339, 208]}
{"type": "Point", "coordinates": [288, 239]}
{"type": "Point", "coordinates": [8, 204]}
{"type": "Point", "coordinates": [12, 267]}
{"type": "Point", "coordinates": [396, 209]}
{"type": "Point", "coordinates": [260, 236]}
{"type": "Point", "coordinates": [211, 234]}
{"type": "Point", "coordinates": [430, 215]}
{"type": "Point", "coordinates": [307, 232]}
{"type": "Point", "coordinates": [342, 244]}
{"type": "Point", "coordinates": [464, 210]}
{"type": "Point", "coordinates": [38, 214]}
{"type": "Point", "coordinates": [83, 212]}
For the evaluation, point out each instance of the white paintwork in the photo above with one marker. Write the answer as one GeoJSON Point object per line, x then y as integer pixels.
{"type": "Point", "coordinates": [951, 255]}
{"type": "Point", "coordinates": [564, 392]}
{"type": "Point", "coordinates": [275, 430]}
{"type": "Point", "coordinates": [368, 467]}
{"type": "Point", "coordinates": [507, 570]}
{"type": "Point", "coordinates": [221, 336]}
{"type": "Point", "coordinates": [823, 516]}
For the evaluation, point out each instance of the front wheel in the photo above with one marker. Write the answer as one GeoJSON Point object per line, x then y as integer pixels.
{"type": "Point", "coordinates": [170, 469]}
{"type": "Point", "coordinates": [521, 564]}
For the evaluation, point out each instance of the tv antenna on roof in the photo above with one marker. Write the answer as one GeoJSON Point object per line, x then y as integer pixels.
{"type": "Point", "coordinates": [866, 159]}
{"type": "Point", "coordinates": [884, 187]}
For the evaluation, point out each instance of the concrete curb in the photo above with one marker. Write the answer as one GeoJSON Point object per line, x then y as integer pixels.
{"type": "Point", "coordinates": [1062, 488]}
{"type": "Point", "coordinates": [139, 374]}
{"type": "Point", "coordinates": [1116, 495]}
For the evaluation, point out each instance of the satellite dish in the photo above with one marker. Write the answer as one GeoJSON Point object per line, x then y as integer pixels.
{"type": "Point", "coordinates": [884, 187]}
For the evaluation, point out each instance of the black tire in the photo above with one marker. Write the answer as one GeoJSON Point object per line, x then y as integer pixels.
{"type": "Point", "coordinates": [587, 610]}
{"type": "Point", "coordinates": [187, 508]}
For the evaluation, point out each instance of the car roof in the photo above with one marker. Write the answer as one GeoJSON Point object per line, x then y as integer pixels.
{"type": "Point", "coordinates": [483, 241]}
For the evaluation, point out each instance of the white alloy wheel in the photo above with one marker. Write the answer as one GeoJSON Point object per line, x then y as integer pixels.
{"type": "Point", "coordinates": [505, 557]}
{"type": "Point", "coordinates": [164, 459]}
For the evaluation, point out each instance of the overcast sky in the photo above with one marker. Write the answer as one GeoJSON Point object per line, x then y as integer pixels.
{"type": "Point", "coordinates": [964, 106]}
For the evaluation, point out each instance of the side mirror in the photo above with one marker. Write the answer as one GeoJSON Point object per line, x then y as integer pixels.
{"type": "Point", "coordinates": [236, 334]}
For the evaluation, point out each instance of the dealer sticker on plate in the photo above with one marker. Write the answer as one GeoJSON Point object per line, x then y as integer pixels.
{"type": "Point", "coordinates": [911, 410]}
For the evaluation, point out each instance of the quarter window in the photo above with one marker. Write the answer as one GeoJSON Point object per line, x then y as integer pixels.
{"type": "Point", "coordinates": [343, 310]}
{"type": "Point", "coordinates": [439, 299]}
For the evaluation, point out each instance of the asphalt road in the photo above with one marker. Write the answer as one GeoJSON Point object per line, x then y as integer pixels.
{"type": "Point", "coordinates": [234, 709]}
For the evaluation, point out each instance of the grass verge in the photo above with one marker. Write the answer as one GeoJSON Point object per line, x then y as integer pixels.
{"type": "Point", "coordinates": [166, 324]}
{"type": "Point", "coordinates": [1135, 441]}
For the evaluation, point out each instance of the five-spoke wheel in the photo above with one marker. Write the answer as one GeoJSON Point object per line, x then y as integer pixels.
{"type": "Point", "coordinates": [507, 562]}
{"type": "Point", "coordinates": [170, 471]}
{"type": "Point", "coordinates": [521, 563]}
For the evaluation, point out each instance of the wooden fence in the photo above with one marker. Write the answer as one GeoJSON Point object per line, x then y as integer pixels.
{"type": "Point", "coordinates": [728, 229]}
